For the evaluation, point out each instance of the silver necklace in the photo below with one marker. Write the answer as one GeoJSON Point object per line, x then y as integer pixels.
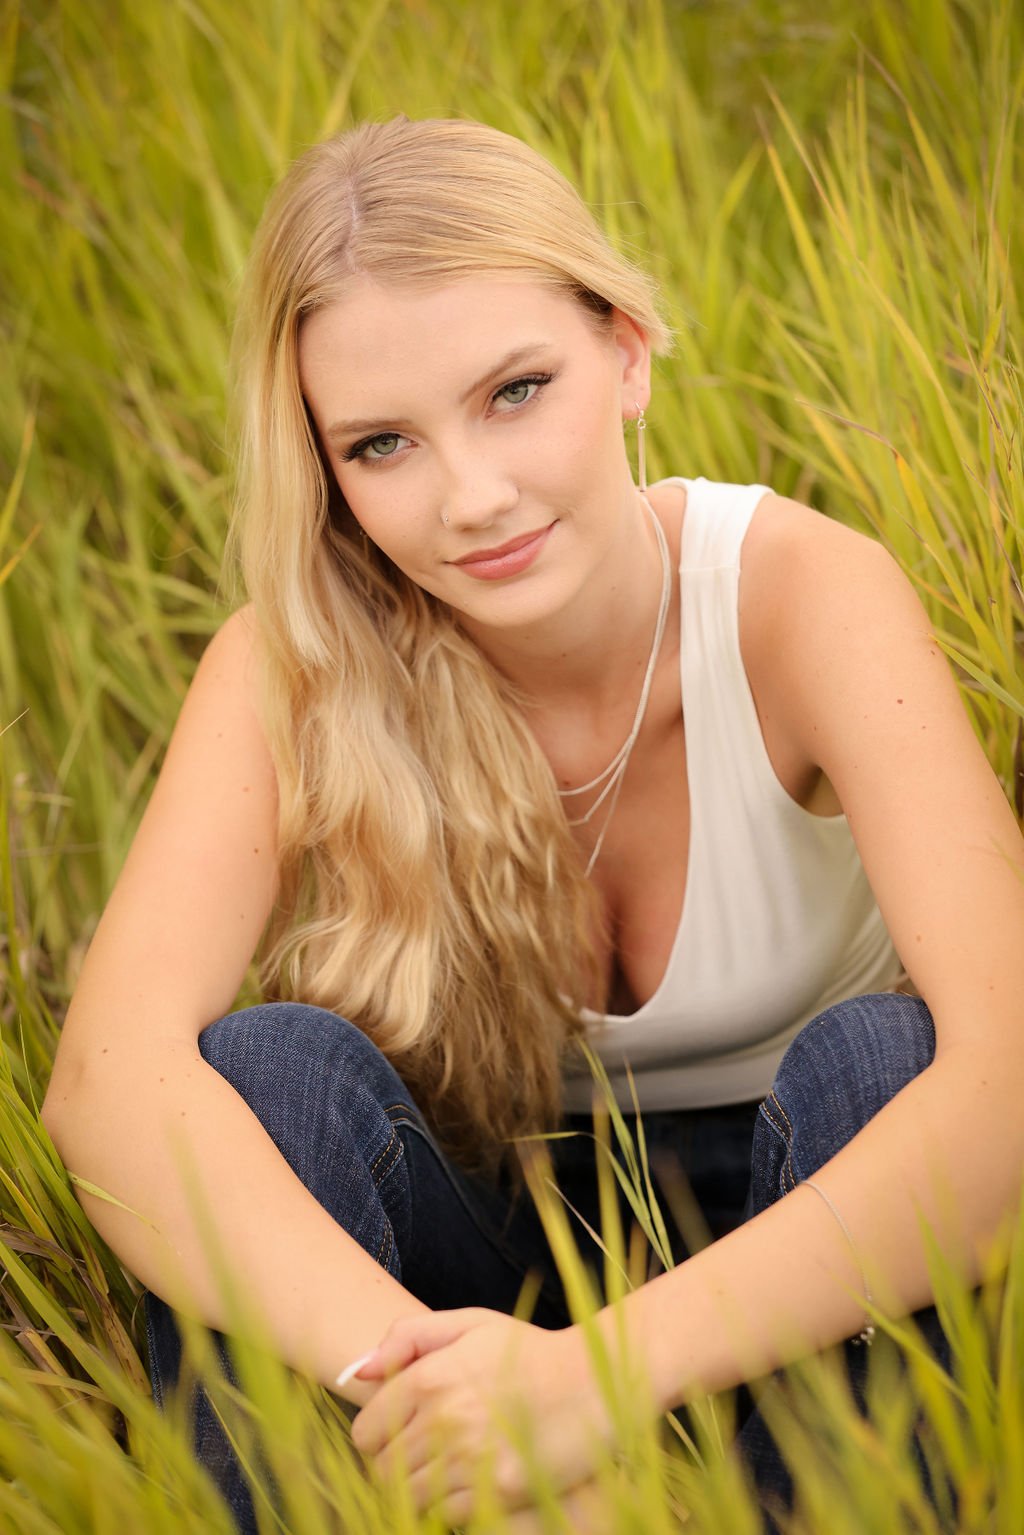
{"type": "Point", "coordinates": [615, 772]}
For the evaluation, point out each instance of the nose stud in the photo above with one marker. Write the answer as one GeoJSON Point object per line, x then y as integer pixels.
{"type": "Point", "coordinates": [445, 518]}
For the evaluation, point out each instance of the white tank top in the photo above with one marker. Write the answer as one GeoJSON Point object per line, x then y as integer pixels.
{"type": "Point", "coordinates": [779, 921]}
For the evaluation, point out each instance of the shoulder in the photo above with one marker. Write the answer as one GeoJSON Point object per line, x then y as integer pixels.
{"type": "Point", "coordinates": [234, 642]}
{"type": "Point", "coordinates": [228, 674]}
{"type": "Point", "coordinates": [802, 570]}
{"type": "Point", "coordinates": [221, 716]}
{"type": "Point", "coordinates": [824, 609]}
{"type": "Point", "coordinates": [789, 544]}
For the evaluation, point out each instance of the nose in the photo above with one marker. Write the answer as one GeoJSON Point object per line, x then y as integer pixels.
{"type": "Point", "coordinates": [475, 492]}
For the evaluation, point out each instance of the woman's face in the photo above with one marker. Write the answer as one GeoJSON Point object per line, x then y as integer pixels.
{"type": "Point", "coordinates": [474, 416]}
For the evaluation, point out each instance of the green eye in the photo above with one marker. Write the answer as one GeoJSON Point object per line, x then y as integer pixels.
{"type": "Point", "coordinates": [520, 384]}
{"type": "Point", "coordinates": [361, 449]}
{"type": "Point", "coordinates": [524, 388]}
{"type": "Point", "coordinates": [374, 450]}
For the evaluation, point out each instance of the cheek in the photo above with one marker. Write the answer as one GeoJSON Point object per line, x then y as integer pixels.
{"type": "Point", "coordinates": [392, 520]}
{"type": "Point", "coordinates": [368, 500]}
{"type": "Point", "coordinates": [584, 459]}
{"type": "Point", "coordinates": [573, 447]}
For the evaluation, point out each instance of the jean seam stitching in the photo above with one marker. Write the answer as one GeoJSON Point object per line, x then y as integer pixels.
{"type": "Point", "coordinates": [789, 1139]}
{"type": "Point", "coordinates": [787, 1164]}
{"type": "Point", "coordinates": [386, 1242]}
{"type": "Point", "coordinates": [389, 1150]}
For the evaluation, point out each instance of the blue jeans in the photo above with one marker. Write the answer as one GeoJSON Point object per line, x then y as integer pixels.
{"type": "Point", "coordinates": [349, 1128]}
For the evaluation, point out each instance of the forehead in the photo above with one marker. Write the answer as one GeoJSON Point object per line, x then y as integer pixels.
{"type": "Point", "coordinates": [376, 330]}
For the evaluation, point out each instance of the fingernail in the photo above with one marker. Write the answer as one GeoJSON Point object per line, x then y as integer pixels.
{"type": "Point", "coordinates": [353, 1369]}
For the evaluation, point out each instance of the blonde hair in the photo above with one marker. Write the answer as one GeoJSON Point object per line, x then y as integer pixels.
{"type": "Point", "coordinates": [430, 889]}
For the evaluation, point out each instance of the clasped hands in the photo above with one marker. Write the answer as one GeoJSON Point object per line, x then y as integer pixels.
{"type": "Point", "coordinates": [452, 1382]}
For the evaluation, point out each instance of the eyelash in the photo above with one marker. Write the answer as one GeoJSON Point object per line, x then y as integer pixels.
{"type": "Point", "coordinates": [357, 450]}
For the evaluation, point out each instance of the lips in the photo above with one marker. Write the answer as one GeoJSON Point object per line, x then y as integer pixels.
{"type": "Point", "coordinates": [501, 550]}
{"type": "Point", "coordinates": [508, 559]}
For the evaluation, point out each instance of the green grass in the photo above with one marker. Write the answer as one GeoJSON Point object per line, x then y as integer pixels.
{"type": "Point", "coordinates": [830, 197]}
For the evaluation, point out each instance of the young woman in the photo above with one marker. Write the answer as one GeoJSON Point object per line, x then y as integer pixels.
{"type": "Point", "coordinates": [506, 751]}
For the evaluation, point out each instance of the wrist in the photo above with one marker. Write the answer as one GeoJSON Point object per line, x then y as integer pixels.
{"type": "Point", "coordinates": [636, 1382]}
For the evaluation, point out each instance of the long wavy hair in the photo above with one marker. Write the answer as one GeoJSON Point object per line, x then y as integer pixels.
{"type": "Point", "coordinates": [429, 887]}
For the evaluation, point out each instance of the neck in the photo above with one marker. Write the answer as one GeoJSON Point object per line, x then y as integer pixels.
{"type": "Point", "coordinates": [592, 652]}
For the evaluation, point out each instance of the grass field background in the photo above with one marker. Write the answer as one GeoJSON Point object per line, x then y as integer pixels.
{"type": "Point", "coordinates": [830, 195]}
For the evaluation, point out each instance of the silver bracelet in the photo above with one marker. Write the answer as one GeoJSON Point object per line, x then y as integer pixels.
{"type": "Point", "coordinates": [868, 1334]}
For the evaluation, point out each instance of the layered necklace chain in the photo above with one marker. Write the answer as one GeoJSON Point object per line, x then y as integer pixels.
{"type": "Point", "coordinates": [615, 772]}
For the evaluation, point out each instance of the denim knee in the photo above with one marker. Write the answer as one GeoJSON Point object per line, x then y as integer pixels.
{"type": "Point", "coordinates": [838, 1072]}
{"type": "Point", "coordinates": [326, 1095]}
{"type": "Point", "coordinates": [330, 1101]}
{"type": "Point", "coordinates": [328, 1098]}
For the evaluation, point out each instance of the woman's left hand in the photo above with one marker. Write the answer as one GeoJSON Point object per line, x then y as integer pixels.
{"type": "Point", "coordinates": [457, 1373]}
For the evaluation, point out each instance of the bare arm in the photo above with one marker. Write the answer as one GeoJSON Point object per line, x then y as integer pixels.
{"type": "Point", "coordinates": [871, 697]}
{"type": "Point", "coordinates": [130, 1090]}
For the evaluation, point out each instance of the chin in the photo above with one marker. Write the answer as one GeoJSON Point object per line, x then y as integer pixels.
{"type": "Point", "coordinates": [508, 610]}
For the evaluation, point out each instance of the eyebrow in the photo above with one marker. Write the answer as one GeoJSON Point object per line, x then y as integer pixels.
{"type": "Point", "coordinates": [519, 354]}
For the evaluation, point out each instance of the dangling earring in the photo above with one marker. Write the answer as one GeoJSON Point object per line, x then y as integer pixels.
{"type": "Point", "coordinates": [641, 427]}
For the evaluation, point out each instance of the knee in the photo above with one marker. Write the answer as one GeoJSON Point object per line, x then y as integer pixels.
{"type": "Point", "coordinates": [300, 1066]}
{"type": "Point", "coordinates": [838, 1072]}
{"type": "Point", "coordinates": [851, 1059]}
{"type": "Point", "coordinates": [279, 1039]}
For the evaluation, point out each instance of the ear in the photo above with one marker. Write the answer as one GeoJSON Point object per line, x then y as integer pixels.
{"type": "Point", "coordinates": [633, 348]}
